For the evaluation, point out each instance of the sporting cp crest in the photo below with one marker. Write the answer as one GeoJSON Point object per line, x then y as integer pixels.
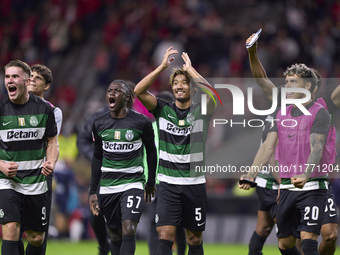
{"type": "Point", "coordinates": [34, 121]}
{"type": "Point", "coordinates": [129, 135]}
{"type": "Point", "coordinates": [190, 118]}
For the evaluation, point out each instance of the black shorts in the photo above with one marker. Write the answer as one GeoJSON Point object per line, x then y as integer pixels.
{"type": "Point", "coordinates": [118, 207]}
{"type": "Point", "coordinates": [331, 214]}
{"type": "Point", "coordinates": [300, 211]}
{"type": "Point", "coordinates": [29, 211]}
{"type": "Point", "coordinates": [267, 199]}
{"type": "Point", "coordinates": [181, 205]}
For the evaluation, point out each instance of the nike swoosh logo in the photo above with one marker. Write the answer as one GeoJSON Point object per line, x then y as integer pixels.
{"type": "Point", "coordinates": [44, 223]}
{"type": "Point", "coordinates": [134, 211]}
{"type": "Point", "coordinates": [332, 215]}
{"type": "Point", "coordinates": [171, 116]}
{"type": "Point", "coordinates": [200, 224]}
{"type": "Point", "coordinates": [311, 224]}
{"type": "Point", "coordinates": [105, 135]}
{"type": "Point", "coordinates": [5, 124]}
{"type": "Point", "coordinates": [290, 136]}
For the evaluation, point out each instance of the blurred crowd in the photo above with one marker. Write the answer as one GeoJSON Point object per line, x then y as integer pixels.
{"type": "Point", "coordinates": [130, 38]}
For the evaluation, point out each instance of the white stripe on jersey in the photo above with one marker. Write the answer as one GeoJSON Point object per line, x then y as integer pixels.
{"type": "Point", "coordinates": [174, 129]}
{"type": "Point", "coordinates": [120, 188]}
{"type": "Point", "coordinates": [181, 180]}
{"type": "Point", "coordinates": [22, 134]}
{"type": "Point", "coordinates": [312, 185]}
{"type": "Point", "coordinates": [186, 158]}
{"type": "Point", "coordinates": [122, 147]}
{"type": "Point", "coordinates": [261, 182]}
{"type": "Point", "coordinates": [28, 165]}
{"type": "Point", "coordinates": [26, 189]}
{"type": "Point", "coordinates": [135, 169]}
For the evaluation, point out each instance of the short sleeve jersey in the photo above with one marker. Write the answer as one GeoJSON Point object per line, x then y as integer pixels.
{"type": "Point", "coordinates": [121, 141]}
{"type": "Point", "coordinates": [182, 138]}
{"type": "Point", "coordinates": [23, 132]}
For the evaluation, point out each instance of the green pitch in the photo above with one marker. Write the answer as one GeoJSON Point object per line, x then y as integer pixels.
{"type": "Point", "coordinates": [90, 247]}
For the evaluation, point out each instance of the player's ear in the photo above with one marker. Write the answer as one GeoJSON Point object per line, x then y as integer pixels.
{"type": "Point", "coordinates": [316, 89]}
{"type": "Point", "coordinates": [48, 85]}
{"type": "Point", "coordinates": [308, 85]}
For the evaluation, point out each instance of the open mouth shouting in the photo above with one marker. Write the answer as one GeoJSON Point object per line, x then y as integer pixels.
{"type": "Point", "coordinates": [112, 102]}
{"type": "Point", "coordinates": [12, 90]}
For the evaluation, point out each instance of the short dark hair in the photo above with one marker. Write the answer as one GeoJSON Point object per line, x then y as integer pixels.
{"type": "Point", "coordinates": [44, 71]}
{"type": "Point", "coordinates": [304, 72]}
{"type": "Point", "coordinates": [128, 91]}
{"type": "Point", "coordinates": [18, 63]}
{"type": "Point", "coordinates": [178, 71]}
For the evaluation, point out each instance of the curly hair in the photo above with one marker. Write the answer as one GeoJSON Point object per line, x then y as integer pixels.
{"type": "Point", "coordinates": [304, 72]}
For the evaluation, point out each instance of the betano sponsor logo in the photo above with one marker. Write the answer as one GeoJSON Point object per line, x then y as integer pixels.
{"type": "Point", "coordinates": [118, 146]}
{"type": "Point", "coordinates": [21, 134]}
{"type": "Point", "coordinates": [238, 104]}
{"type": "Point", "coordinates": [176, 130]}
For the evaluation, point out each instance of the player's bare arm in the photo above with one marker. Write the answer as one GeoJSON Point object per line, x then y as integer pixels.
{"type": "Point", "coordinates": [52, 154]}
{"type": "Point", "coordinates": [141, 89]}
{"type": "Point", "coordinates": [94, 206]}
{"type": "Point", "coordinates": [198, 79]}
{"type": "Point", "coordinates": [336, 96]}
{"type": "Point", "coordinates": [262, 157]}
{"type": "Point", "coordinates": [317, 142]}
{"type": "Point", "coordinates": [258, 71]}
{"type": "Point", "coordinates": [9, 169]}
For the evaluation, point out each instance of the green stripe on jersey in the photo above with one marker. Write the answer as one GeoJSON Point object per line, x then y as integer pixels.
{"type": "Point", "coordinates": [119, 135]}
{"type": "Point", "coordinates": [26, 180]}
{"type": "Point", "coordinates": [22, 155]}
{"type": "Point", "coordinates": [119, 164]}
{"type": "Point", "coordinates": [180, 149]}
{"type": "Point", "coordinates": [26, 121]}
{"type": "Point", "coordinates": [178, 173]}
{"type": "Point", "coordinates": [116, 182]}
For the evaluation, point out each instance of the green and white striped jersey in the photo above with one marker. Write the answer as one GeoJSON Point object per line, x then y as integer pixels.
{"type": "Point", "coordinates": [182, 137]}
{"type": "Point", "coordinates": [121, 142]}
{"type": "Point", "coordinates": [23, 132]}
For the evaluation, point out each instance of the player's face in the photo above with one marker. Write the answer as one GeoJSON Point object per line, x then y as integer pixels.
{"type": "Point", "coordinates": [116, 97]}
{"type": "Point", "coordinates": [37, 85]}
{"type": "Point", "coordinates": [295, 81]}
{"type": "Point", "coordinates": [181, 88]}
{"type": "Point", "coordinates": [16, 81]}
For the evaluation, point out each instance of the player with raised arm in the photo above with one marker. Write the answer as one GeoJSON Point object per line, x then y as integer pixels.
{"type": "Point", "coordinates": [28, 153]}
{"type": "Point", "coordinates": [117, 167]}
{"type": "Point", "coordinates": [182, 193]}
{"type": "Point", "coordinates": [301, 146]}
{"type": "Point", "coordinates": [331, 102]}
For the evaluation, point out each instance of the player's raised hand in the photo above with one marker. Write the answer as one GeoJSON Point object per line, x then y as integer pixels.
{"type": "Point", "coordinates": [47, 168]}
{"type": "Point", "coordinates": [94, 206]}
{"type": "Point", "coordinates": [167, 59]}
{"type": "Point", "coordinates": [254, 46]}
{"type": "Point", "coordinates": [149, 193]}
{"type": "Point", "coordinates": [9, 169]}
{"type": "Point", "coordinates": [299, 180]}
{"type": "Point", "coordinates": [187, 61]}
